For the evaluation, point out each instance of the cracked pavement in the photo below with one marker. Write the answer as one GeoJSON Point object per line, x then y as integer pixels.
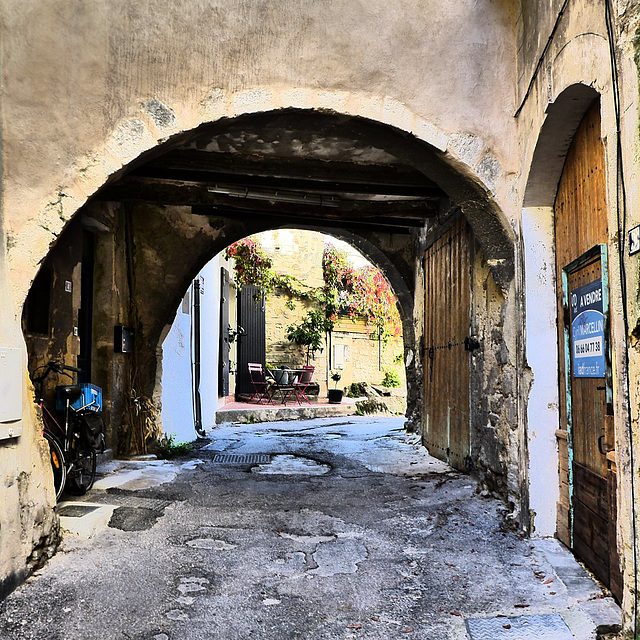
{"type": "Point", "coordinates": [351, 531]}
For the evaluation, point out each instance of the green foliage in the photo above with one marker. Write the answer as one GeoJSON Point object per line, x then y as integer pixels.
{"type": "Point", "coordinates": [309, 332]}
{"type": "Point", "coordinates": [356, 390]}
{"type": "Point", "coordinates": [347, 291]}
{"type": "Point", "coordinates": [399, 359]}
{"type": "Point", "coordinates": [336, 376]}
{"type": "Point", "coordinates": [368, 407]}
{"type": "Point", "coordinates": [391, 379]}
{"type": "Point", "coordinates": [168, 448]}
{"type": "Point", "coordinates": [290, 304]}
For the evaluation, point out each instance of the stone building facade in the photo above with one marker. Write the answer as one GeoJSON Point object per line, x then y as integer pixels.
{"type": "Point", "coordinates": [106, 110]}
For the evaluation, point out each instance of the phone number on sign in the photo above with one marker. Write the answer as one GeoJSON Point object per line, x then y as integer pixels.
{"type": "Point", "coordinates": [588, 348]}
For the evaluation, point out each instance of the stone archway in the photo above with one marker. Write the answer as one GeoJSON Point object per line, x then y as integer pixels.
{"type": "Point", "coordinates": [157, 128]}
{"type": "Point", "coordinates": [156, 230]}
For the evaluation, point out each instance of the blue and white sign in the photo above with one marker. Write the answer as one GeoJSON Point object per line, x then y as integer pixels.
{"type": "Point", "coordinates": [587, 331]}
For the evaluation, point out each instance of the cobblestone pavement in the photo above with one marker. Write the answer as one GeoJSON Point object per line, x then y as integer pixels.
{"type": "Point", "coordinates": [343, 528]}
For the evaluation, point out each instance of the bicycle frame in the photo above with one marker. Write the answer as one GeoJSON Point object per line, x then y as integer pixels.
{"type": "Point", "coordinates": [48, 419]}
{"type": "Point", "coordinates": [65, 437]}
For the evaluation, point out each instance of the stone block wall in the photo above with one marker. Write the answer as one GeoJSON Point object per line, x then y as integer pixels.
{"type": "Point", "coordinates": [299, 253]}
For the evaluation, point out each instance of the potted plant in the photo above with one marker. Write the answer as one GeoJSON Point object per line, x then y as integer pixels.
{"type": "Point", "coordinates": [281, 375]}
{"type": "Point", "coordinates": [335, 394]}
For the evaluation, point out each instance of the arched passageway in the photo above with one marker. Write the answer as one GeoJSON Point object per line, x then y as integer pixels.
{"type": "Point", "coordinates": [148, 231]}
{"type": "Point", "coordinates": [285, 298]}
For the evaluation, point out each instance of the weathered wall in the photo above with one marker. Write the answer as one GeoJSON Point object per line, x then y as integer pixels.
{"type": "Point", "coordinates": [86, 89]}
{"type": "Point", "coordinates": [152, 70]}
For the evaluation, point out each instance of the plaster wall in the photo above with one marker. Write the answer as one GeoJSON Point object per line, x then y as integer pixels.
{"type": "Point", "coordinates": [542, 357]}
{"type": "Point", "coordinates": [579, 54]}
{"type": "Point", "coordinates": [177, 404]}
{"type": "Point", "coordinates": [151, 70]}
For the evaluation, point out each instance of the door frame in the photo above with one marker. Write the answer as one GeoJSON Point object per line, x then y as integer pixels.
{"type": "Point", "coordinates": [597, 251]}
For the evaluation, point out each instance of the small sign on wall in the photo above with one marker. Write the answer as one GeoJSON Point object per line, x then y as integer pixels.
{"type": "Point", "coordinates": [634, 240]}
{"type": "Point", "coordinates": [11, 380]}
{"type": "Point", "coordinates": [587, 331]}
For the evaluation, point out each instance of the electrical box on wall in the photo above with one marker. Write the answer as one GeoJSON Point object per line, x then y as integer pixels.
{"type": "Point", "coordinates": [123, 339]}
{"type": "Point", "coordinates": [11, 378]}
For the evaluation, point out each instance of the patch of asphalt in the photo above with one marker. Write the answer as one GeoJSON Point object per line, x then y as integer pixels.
{"type": "Point", "coordinates": [134, 518]}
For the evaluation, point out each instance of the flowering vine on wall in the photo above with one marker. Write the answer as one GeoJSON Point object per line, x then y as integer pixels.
{"type": "Point", "coordinates": [347, 291]}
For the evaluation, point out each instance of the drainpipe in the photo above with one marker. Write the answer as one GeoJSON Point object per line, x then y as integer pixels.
{"type": "Point", "coordinates": [195, 363]}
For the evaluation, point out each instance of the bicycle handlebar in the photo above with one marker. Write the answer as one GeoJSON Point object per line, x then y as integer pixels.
{"type": "Point", "coordinates": [57, 367]}
{"type": "Point", "coordinates": [61, 368]}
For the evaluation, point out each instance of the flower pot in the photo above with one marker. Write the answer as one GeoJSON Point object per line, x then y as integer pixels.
{"type": "Point", "coordinates": [335, 396]}
{"type": "Point", "coordinates": [281, 376]}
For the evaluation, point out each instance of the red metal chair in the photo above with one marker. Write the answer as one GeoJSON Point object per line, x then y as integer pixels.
{"type": "Point", "coordinates": [300, 386]}
{"type": "Point", "coordinates": [259, 383]}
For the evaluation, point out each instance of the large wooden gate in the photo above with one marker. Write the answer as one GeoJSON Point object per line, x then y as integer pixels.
{"type": "Point", "coordinates": [447, 268]}
{"type": "Point", "coordinates": [587, 507]}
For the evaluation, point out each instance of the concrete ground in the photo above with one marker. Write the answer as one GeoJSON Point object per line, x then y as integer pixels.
{"type": "Point", "coordinates": [334, 528]}
{"type": "Point", "coordinates": [252, 412]}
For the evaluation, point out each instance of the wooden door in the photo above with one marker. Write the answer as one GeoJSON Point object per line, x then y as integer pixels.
{"type": "Point", "coordinates": [447, 267]}
{"type": "Point", "coordinates": [85, 313]}
{"type": "Point", "coordinates": [224, 344]}
{"type": "Point", "coordinates": [586, 515]}
{"type": "Point", "coordinates": [251, 339]}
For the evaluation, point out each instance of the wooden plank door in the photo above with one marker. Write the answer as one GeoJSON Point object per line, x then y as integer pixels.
{"type": "Point", "coordinates": [251, 341]}
{"type": "Point", "coordinates": [446, 362]}
{"type": "Point", "coordinates": [224, 344]}
{"type": "Point", "coordinates": [586, 514]}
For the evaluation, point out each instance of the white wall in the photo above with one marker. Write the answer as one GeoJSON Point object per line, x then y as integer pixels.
{"type": "Point", "coordinates": [177, 407]}
{"type": "Point", "coordinates": [542, 356]}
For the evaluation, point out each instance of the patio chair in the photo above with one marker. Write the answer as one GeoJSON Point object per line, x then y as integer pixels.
{"type": "Point", "coordinates": [300, 386]}
{"type": "Point", "coordinates": [262, 388]}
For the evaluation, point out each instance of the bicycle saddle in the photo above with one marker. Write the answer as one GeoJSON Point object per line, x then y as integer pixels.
{"type": "Point", "coordinates": [70, 392]}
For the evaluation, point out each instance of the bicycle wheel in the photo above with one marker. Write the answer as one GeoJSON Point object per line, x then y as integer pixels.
{"type": "Point", "coordinates": [58, 466]}
{"type": "Point", "coordinates": [82, 472]}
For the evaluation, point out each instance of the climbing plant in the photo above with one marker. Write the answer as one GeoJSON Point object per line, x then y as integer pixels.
{"type": "Point", "coordinates": [347, 291]}
{"type": "Point", "coordinates": [362, 292]}
{"type": "Point", "coordinates": [251, 264]}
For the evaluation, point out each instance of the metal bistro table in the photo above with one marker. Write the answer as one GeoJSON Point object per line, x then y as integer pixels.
{"type": "Point", "coordinates": [285, 390]}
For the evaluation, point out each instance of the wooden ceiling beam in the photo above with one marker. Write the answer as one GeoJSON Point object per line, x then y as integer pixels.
{"type": "Point", "coordinates": [173, 194]}
{"type": "Point", "coordinates": [380, 226]}
{"type": "Point", "coordinates": [214, 178]}
{"type": "Point", "coordinates": [393, 179]}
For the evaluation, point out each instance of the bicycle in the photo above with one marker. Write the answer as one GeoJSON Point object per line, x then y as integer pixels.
{"type": "Point", "coordinates": [72, 455]}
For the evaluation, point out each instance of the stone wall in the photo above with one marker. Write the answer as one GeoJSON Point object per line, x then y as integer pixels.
{"type": "Point", "coordinates": [298, 253]}
{"type": "Point", "coordinates": [89, 89]}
